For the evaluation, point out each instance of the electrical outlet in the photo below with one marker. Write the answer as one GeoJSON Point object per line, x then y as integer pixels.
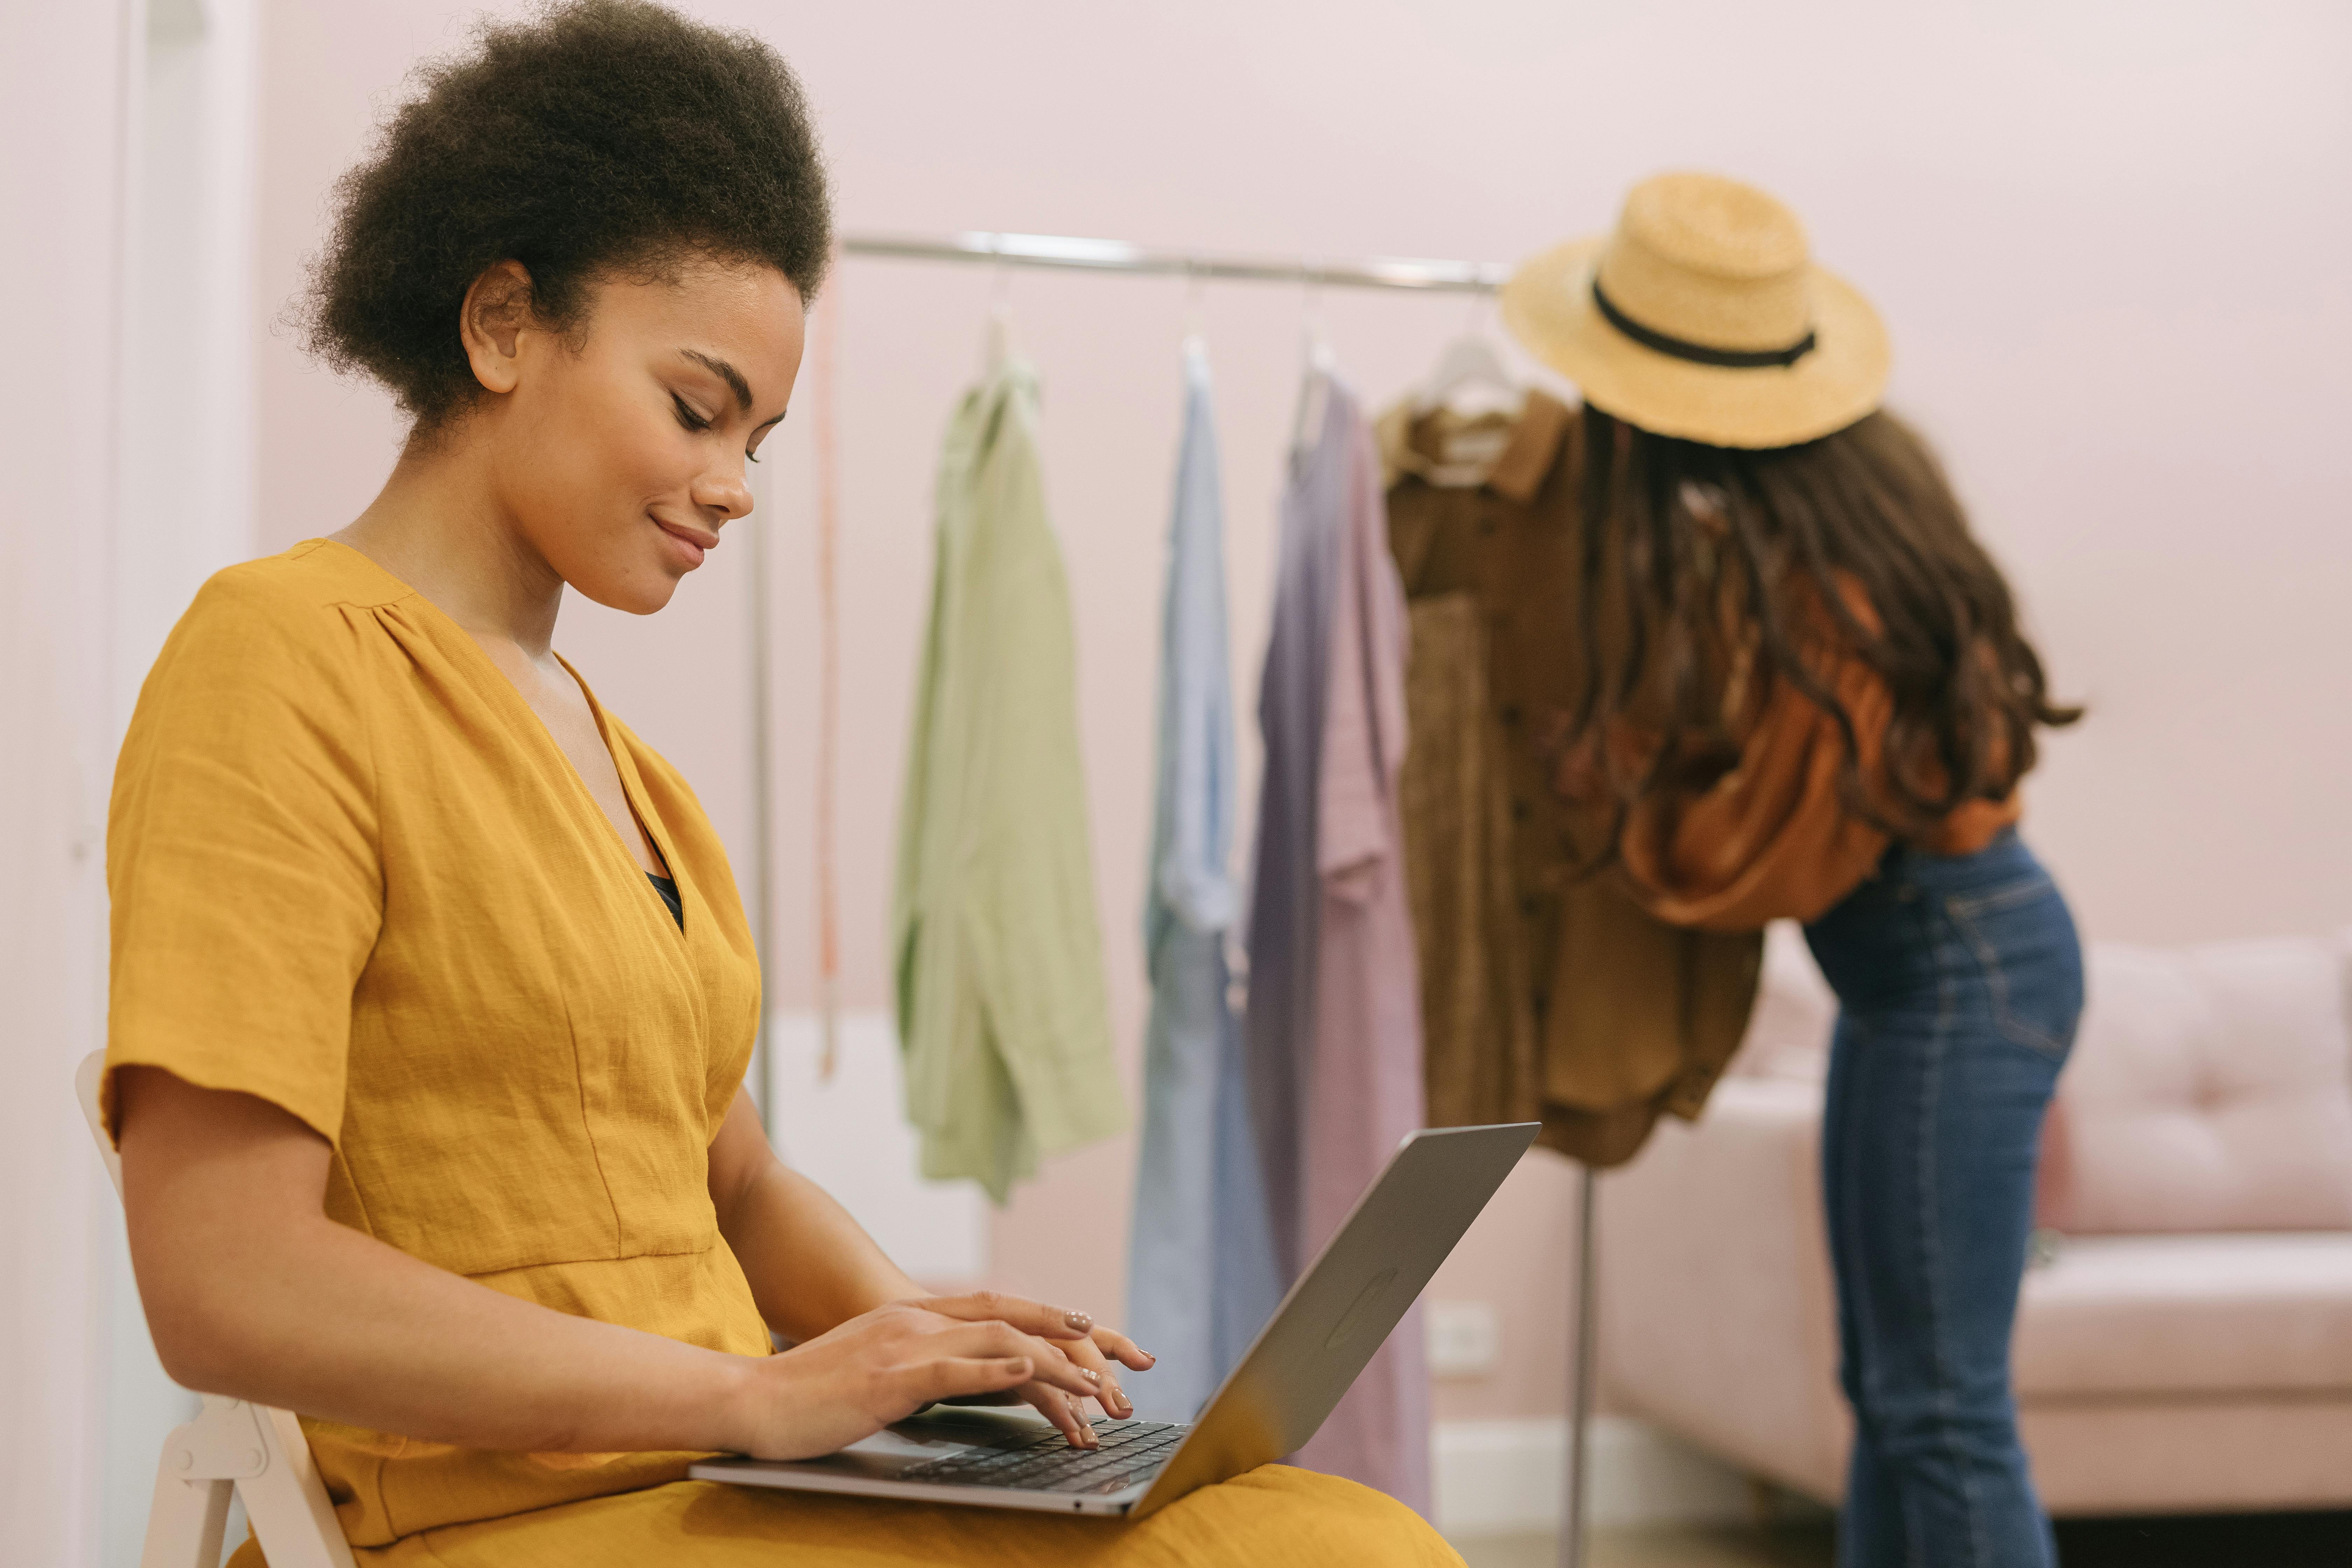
{"type": "Point", "coordinates": [1465, 1339]}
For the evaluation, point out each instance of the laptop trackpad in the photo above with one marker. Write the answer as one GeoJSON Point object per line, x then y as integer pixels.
{"type": "Point", "coordinates": [937, 1432]}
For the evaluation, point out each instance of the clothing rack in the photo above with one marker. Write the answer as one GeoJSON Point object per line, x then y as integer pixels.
{"type": "Point", "coordinates": [1422, 275]}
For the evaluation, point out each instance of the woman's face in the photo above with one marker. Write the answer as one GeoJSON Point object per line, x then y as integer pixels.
{"type": "Point", "coordinates": [619, 454]}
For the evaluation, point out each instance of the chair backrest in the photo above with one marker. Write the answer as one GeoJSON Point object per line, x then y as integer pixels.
{"type": "Point", "coordinates": [2211, 1090]}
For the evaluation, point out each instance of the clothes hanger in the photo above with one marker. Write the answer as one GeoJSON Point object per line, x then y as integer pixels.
{"type": "Point", "coordinates": [1195, 345]}
{"type": "Point", "coordinates": [1470, 376]}
{"type": "Point", "coordinates": [1315, 394]}
{"type": "Point", "coordinates": [996, 345]}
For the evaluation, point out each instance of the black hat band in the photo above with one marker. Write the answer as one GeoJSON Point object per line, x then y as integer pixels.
{"type": "Point", "coordinates": [1698, 353]}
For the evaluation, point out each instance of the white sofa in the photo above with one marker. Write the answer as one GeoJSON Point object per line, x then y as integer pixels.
{"type": "Point", "coordinates": [2185, 1347]}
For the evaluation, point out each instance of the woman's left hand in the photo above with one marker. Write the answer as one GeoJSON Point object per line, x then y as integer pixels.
{"type": "Point", "coordinates": [1091, 1348]}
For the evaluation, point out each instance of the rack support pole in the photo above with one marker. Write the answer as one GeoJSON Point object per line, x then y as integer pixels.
{"type": "Point", "coordinates": [1572, 1527]}
{"type": "Point", "coordinates": [763, 805]}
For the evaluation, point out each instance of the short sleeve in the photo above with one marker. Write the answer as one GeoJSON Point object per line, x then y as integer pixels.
{"type": "Point", "coordinates": [1773, 837]}
{"type": "Point", "coordinates": [1364, 712]}
{"type": "Point", "coordinates": [242, 865]}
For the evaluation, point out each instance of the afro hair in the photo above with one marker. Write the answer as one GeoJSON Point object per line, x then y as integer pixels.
{"type": "Point", "coordinates": [598, 137]}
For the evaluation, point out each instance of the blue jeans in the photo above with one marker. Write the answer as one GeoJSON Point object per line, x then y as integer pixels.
{"type": "Point", "coordinates": [1958, 981]}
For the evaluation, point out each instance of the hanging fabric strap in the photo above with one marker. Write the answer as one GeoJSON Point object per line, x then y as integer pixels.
{"type": "Point", "coordinates": [828, 718]}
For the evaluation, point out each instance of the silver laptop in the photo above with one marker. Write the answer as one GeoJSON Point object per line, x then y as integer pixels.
{"type": "Point", "coordinates": [1301, 1362]}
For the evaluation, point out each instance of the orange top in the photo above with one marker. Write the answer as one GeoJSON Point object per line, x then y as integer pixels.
{"type": "Point", "coordinates": [1774, 838]}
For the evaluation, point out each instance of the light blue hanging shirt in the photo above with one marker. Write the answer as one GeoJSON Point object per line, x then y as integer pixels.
{"type": "Point", "coordinates": [1201, 1278]}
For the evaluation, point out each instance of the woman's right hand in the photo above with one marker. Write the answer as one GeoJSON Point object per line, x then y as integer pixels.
{"type": "Point", "coordinates": [884, 1365]}
{"type": "Point", "coordinates": [252, 1292]}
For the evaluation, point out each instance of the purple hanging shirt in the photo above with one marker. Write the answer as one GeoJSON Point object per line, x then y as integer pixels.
{"type": "Point", "coordinates": [1335, 1009]}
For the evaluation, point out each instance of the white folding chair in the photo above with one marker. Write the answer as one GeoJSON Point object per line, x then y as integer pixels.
{"type": "Point", "coordinates": [255, 1451]}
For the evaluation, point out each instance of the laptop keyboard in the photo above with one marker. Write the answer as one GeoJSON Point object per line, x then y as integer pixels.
{"type": "Point", "coordinates": [1130, 1451]}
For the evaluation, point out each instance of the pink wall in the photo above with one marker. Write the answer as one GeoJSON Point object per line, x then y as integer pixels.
{"type": "Point", "coordinates": [2109, 238]}
{"type": "Point", "coordinates": [62, 99]}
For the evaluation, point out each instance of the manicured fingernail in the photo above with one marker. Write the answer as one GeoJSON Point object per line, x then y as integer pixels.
{"type": "Point", "coordinates": [1090, 1374]}
{"type": "Point", "coordinates": [1080, 1321]}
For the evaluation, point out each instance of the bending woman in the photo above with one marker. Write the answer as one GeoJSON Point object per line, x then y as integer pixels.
{"type": "Point", "coordinates": [1807, 696]}
{"type": "Point", "coordinates": [432, 994]}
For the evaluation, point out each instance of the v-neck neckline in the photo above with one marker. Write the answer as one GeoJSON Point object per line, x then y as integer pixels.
{"type": "Point", "coordinates": [624, 766]}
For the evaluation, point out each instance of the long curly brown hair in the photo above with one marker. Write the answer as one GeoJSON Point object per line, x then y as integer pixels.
{"type": "Point", "coordinates": [1705, 568]}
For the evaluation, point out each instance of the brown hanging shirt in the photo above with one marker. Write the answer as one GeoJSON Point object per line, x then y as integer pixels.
{"type": "Point", "coordinates": [1544, 993]}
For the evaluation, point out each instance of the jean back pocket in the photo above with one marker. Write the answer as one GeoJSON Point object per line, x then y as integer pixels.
{"type": "Point", "coordinates": [2023, 940]}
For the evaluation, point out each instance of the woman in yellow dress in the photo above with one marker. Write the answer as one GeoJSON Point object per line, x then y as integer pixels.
{"type": "Point", "coordinates": [432, 994]}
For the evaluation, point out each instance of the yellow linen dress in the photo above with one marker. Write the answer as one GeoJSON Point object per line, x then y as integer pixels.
{"type": "Point", "coordinates": [353, 875]}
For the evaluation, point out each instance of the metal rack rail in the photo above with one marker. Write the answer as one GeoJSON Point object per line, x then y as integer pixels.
{"type": "Point", "coordinates": [1071, 253]}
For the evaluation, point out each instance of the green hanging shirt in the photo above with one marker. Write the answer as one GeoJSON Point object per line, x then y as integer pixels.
{"type": "Point", "coordinates": [1002, 1010]}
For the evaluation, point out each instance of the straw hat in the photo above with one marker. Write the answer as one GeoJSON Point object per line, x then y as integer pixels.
{"type": "Point", "coordinates": [1702, 317]}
